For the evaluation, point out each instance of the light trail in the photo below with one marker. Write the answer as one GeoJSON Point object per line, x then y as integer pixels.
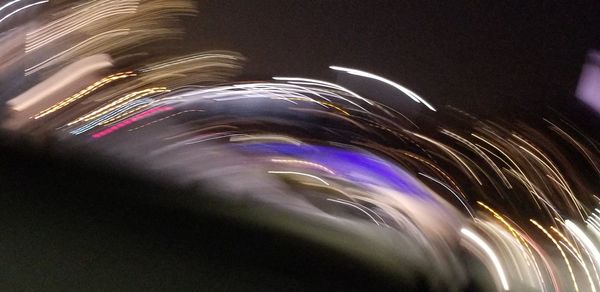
{"type": "Point", "coordinates": [403, 89]}
{"type": "Point", "coordinates": [490, 253]}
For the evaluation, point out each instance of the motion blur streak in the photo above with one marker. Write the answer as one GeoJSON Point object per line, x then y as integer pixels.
{"type": "Point", "coordinates": [488, 250]}
{"type": "Point", "coordinates": [578, 256]}
{"type": "Point", "coordinates": [9, 4]}
{"type": "Point", "coordinates": [83, 93]}
{"type": "Point", "coordinates": [561, 252]}
{"type": "Point", "coordinates": [20, 9]}
{"type": "Point", "coordinates": [405, 90]}
{"type": "Point", "coordinates": [130, 120]}
{"type": "Point", "coordinates": [453, 191]}
{"type": "Point", "coordinates": [586, 241]}
{"type": "Point", "coordinates": [65, 77]}
{"type": "Point", "coordinates": [299, 173]}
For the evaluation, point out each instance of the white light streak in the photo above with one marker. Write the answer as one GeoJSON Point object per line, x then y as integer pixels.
{"type": "Point", "coordinates": [357, 207]}
{"type": "Point", "coordinates": [587, 242]}
{"type": "Point", "coordinates": [20, 9]}
{"type": "Point", "coordinates": [488, 250]}
{"type": "Point", "coordinates": [299, 173]}
{"type": "Point", "coordinates": [451, 191]}
{"type": "Point", "coordinates": [9, 4]}
{"type": "Point", "coordinates": [404, 90]}
{"type": "Point", "coordinates": [328, 84]}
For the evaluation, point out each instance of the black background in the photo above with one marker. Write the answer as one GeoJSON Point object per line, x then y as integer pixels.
{"type": "Point", "coordinates": [488, 57]}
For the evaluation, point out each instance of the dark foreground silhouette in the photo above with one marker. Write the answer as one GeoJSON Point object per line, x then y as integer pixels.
{"type": "Point", "coordinates": [71, 221]}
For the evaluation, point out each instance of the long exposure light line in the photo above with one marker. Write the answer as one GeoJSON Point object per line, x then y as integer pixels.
{"type": "Point", "coordinates": [488, 250]}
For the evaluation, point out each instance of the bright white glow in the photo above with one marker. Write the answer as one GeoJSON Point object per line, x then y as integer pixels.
{"type": "Point", "coordinates": [20, 9]}
{"type": "Point", "coordinates": [587, 242]}
{"type": "Point", "coordinates": [404, 90]}
{"type": "Point", "coordinates": [488, 250]}
{"type": "Point", "coordinates": [299, 173]}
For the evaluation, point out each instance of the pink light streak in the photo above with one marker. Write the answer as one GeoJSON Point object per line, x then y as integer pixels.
{"type": "Point", "coordinates": [131, 120]}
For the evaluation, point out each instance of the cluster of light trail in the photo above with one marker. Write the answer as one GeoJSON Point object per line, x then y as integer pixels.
{"type": "Point", "coordinates": [507, 192]}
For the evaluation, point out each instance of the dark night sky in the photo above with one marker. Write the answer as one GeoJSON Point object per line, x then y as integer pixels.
{"type": "Point", "coordinates": [490, 57]}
